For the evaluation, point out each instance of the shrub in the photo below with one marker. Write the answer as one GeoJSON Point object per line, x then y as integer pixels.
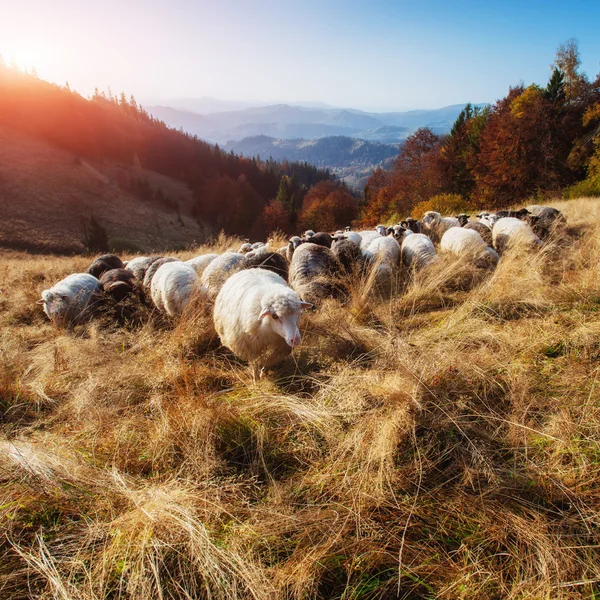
{"type": "Point", "coordinates": [443, 203]}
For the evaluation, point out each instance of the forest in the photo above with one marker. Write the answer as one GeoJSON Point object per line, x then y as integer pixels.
{"type": "Point", "coordinates": [536, 142]}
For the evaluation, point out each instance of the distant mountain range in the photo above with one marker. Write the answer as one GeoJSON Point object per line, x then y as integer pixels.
{"type": "Point", "coordinates": [333, 152]}
{"type": "Point", "coordinates": [288, 121]}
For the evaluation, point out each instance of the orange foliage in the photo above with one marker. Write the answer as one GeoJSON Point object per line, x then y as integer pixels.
{"type": "Point", "coordinates": [327, 206]}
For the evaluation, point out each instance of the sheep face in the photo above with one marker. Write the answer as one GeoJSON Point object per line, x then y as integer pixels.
{"type": "Point", "coordinates": [430, 219]}
{"type": "Point", "coordinates": [283, 321]}
{"type": "Point", "coordinates": [462, 219]}
{"type": "Point", "coordinates": [381, 230]}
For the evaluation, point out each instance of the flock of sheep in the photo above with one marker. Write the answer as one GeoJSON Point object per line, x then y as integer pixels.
{"type": "Point", "coordinates": [259, 292]}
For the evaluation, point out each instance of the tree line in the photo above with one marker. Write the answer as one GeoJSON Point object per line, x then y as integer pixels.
{"type": "Point", "coordinates": [231, 193]}
{"type": "Point", "coordinates": [535, 143]}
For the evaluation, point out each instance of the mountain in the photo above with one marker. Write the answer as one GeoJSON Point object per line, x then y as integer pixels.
{"type": "Point", "coordinates": [293, 121]}
{"type": "Point", "coordinates": [334, 151]}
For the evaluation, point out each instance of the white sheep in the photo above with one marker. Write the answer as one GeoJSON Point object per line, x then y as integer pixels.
{"type": "Point", "coordinates": [353, 236]}
{"type": "Point", "coordinates": [417, 251]}
{"type": "Point", "coordinates": [469, 243]}
{"type": "Point", "coordinates": [173, 286]}
{"type": "Point", "coordinates": [256, 316]}
{"type": "Point", "coordinates": [435, 225]}
{"type": "Point", "coordinates": [488, 219]}
{"type": "Point", "coordinates": [217, 272]}
{"type": "Point", "coordinates": [366, 237]}
{"type": "Point", "coordinates": [510, 232]}
{"type": "Point", "coordinates": [199, 263]}
{"type": "Point", "coordinates": [383, 255]}
{"type": "Point", "coordinates": [68, 301]}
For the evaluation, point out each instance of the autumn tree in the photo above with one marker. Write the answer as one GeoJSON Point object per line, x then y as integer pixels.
{"type": "Point", "coordinates": [328, 206]}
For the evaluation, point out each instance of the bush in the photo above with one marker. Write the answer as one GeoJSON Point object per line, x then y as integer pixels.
{"type": "Point", "coordinates": [446, 204]}
{"type": "Point", "coordinates": [586, 188]}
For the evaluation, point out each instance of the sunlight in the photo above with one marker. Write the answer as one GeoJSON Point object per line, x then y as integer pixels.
{"type": "Point", "coordinates": [27, 57]}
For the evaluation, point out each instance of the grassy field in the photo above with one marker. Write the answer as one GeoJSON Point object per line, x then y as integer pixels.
{"type": "Point", "coordinates": [442, 444]}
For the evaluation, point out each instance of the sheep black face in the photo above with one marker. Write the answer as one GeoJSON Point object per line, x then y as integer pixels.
{"type": "Point", "coordinates": [462, 219]}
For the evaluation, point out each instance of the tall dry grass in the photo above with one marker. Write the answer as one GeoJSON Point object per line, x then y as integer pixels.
{"type": "Point", "coordinates": [444, 443]}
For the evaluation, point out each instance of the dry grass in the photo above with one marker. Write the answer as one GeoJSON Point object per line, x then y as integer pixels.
{"type": "Point", "coordinates": [444, 443]}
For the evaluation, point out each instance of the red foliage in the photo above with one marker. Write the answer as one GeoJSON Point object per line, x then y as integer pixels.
{"type": "Point", "coordinates": [327, 206]}
{"type": "Point", "coordinates": [276, 217]}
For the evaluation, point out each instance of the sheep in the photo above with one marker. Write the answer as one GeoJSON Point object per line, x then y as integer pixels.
{"type": "Point", "coordinates": [256, 316]}
{"type": "Point", "coordinates": [488, 219]}
{"type": "Point", "coordinates": [366, 237]}
{"type": "Point", "coordinates": [244, 248]}
{"type": "Point", "coordinates": [463, 219]}
{"type": "Point", "coordinates": [199, 263]}
{"type": "Point", "coordinates": [293, 243]}
{"type": "Point", "coordinates": [467, 242]}
{"type": "Point", "coordinates": [217, 272]}
{"type": "Point", "coordinates": [411, 224]}
{"type": "Point", "coordinates": [349, 255]}
{"type": "Point", "coordinates": [484, 231]}
{"type": "Point", "coordinates": [510, 231]}
{"type": "Point", "coordinates": [381, 230]}
{"type": "Point", "coordinates": [398, 232]}
{"type": "Point", "coordinates": [544, 220]}
{"type": "Point", "coordinates": [271, 261]}
{"type": "Point", "coordinates": [313, 273]}
{"type": "Point", "coordinates": [118, 283]}
{"type": "Point", "coordinates": [104, 263]}
{"type": "Point", "coordinates": [383, 255]}
{"type": "Point", "coordinates": [151, 270]}
{"type": "Point", "coordinates": [353, 236]}
{"type": "Point", "coordinates": [68, 301]}
{"type": "Point", "coordinates": [417, 251]}
{"type": "Point", "coordinates": [139, 265]}
{"type": "Point", "coordinates": [173, 286]}
{"type": "Point", "coordinates": [517, 214]}
{"type": "Point", "coordinates": [321, 238]}
{"type": "Point", "coordinates": [435, 225]}
{"type": "Point", "coordinates": [308, 234]}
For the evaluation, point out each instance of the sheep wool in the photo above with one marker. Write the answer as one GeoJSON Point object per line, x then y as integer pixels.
{"type": "Point", "coordinates": [173, 286]}
{"type": "Point", "coordinates": [256, 316]}
{"type": "Point", "coordinates": [69, 300]}
{"type": "Point", "coordinates": [510, 232]}
{"type": "Point", "coordinates": [417, 251]}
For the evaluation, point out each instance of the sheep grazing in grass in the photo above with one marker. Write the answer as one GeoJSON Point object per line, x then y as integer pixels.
{"type": "Point", "coordinates": [256, 316]}
{"type": "Point", "coordinates": [118, 283]}
{"type": "Point", "coordinates": [271, 261]}
{"type": "Point", "coordinates": [321, 238]}
{"type": "Point", "coordinates": [353, 236]}
{"type": "Point", "coordinates": [313, 273]}
{"type": "Point", "coordinates": [151, 270]}
{"type": "Point", "coordinates": [488, 219]}
{"type": "Point", "coordinates": [217, 272]}
{"type": "Point", "coordinates": [417, 251]}
{"type": "Point", "coordinates": [69, 301]}
{"type": "Point", "coordinates": [173, 286]}
{"type": "Point", "coordinates": [509, 232]}
{"type": "Point", "coordinates": [199, 263]}
{"type": "Point", "coordinates": [104, 263]}
{"type": "Point", "coordinates": [139, 265]}
{"type": "Point", "coordinates": [349, 255]}
{"type": "Point", "coordinates": [544, 220]}
{"type": "Point", "coordinates": [434, 225]}
{"type": "Point", "coordinates": [383, 256]}
{"type": "Point", "coordinates": [482, 229]}
{"type": "Point", "coordinates": [467, 242]}
{"type": "Point", "coordinates": [411, 224]}
{"type": "Point", "coordinates": [516, 214]}
{"type": "Point", "coordinates": [293, 243]}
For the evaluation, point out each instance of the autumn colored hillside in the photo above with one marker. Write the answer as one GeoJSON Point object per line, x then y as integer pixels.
{"type": "Point", "coordinates": [66, 158]}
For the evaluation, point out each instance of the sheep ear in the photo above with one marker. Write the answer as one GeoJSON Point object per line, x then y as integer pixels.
{"type": "Point", "coordinates": [265, 313]}
{"type": "Point", "coordinates": [305, 305]}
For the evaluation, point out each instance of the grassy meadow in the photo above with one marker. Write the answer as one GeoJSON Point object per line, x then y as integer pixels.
{"type": "Point", "coordinates": [444, 443]}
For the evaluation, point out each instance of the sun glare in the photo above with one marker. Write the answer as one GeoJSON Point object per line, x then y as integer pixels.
{"type": "Point", "coordinates": [27, 57]}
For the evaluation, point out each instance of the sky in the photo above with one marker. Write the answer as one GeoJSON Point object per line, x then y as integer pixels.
{"type": "Point", "coordinates": [375, 55]}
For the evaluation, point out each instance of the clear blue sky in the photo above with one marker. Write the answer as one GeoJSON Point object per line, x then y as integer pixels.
{"type": "Point", "coordinates": [377, 54]}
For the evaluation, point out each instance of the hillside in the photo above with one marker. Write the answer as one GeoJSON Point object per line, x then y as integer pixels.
{"type": "Point", "coordinates": [109, 150]}
{"type": "Point", "coordinates": [292, 122]}
{"type": "Point", "coordinates": [46, 192]}
{"type": "Point", "coordinates": [332, 152]}
{"type": "Point", "coordinates": [441, 444]}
